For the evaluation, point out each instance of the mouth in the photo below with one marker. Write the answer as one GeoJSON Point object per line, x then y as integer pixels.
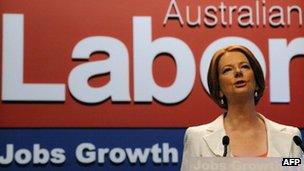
{"type": "Point", "coordinates": [240, 83]}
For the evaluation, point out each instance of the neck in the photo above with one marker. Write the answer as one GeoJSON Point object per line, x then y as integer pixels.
{"type": "Point", "coordinates": [241, 115]}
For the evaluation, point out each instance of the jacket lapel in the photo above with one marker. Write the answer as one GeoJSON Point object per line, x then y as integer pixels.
{"type": "Point", "coordinates": [278, 139]}
{"type": "Point", "coordinates": [214, 135]}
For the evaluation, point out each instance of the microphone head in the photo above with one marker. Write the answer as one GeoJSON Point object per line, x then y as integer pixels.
{"type": "Point", "coordinates": [297, 140]}
{"type": "Point", "coordinates": [225, 140]}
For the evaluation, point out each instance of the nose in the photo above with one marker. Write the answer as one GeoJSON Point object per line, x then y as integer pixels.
{"type": "Point", "coordinates": [238, 73]}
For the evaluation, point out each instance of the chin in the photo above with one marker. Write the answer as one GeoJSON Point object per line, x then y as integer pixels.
{"type": "Point", "coordinates": [243, 93]}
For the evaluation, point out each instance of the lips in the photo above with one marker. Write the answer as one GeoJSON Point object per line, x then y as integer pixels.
{"type": "Point", "coordinates": [240, 83]}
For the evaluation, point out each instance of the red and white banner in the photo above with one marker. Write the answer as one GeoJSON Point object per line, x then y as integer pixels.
{"type": "Point", "coordinates": [141, 63]}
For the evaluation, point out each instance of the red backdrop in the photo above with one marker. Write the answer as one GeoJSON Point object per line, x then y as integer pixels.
{"type": "Point", "coordinates": [53, 28]}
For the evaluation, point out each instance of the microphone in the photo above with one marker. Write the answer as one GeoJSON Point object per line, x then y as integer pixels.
{"type": "Point", "coordinates": [225, 142]}
{"type": "Point", "coordinates": [298, 142]}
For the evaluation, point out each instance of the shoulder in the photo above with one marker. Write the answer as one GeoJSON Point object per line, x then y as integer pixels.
{"type": "Point", "coordinates": [195, 132]}
{"type": "Point", "coordinates": [281, 127]}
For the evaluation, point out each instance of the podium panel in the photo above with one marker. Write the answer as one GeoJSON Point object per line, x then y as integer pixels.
{"type": "Point", "coordinates": [244, 164]}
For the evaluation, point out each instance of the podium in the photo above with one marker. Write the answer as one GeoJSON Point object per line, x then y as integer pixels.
{"type": "Point", "coordinates": [244, 164]}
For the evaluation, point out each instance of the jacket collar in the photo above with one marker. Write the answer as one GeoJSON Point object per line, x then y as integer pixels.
{"type": "Point", "coordinates": [277, 138]}
{"type": "Point", "coordinates": [215, 133]}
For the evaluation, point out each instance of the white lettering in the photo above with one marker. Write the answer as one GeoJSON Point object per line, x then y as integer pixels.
{"type": "Point", "coordinates": [117, 64]}
{"type": "Point", "coordinates": [280, 55]}
{"type": "Point", "coordinates": [13, 86]}
{"type": "Point", "coordinates": [85, 153]}
{"type": "Point", "coordinates": [156, 151]}
{"type": "Point", "coordinates": [9, 155]}
{"type": "Point", "coordinates": [167, 151]}
{"type": "Point", "coordinates": [102, 153]}
{"type": "Point", "coordinates": [117, 155]}
{"type": "Point", "coordinates": [145, 51]}
{"type": "Point", "coordinates": [177, 15]}
{"type": "Point", "coordinates": [58, 156]}
{"type": "Point", "coordinates": [276, 19]}
{"type": "Point", "coordinates": [138, 154]}
{"type": "Point", "coordinates": [210, 12]}
{"type": "Point", "coordinates": [23, 156]}
{"type": "Point", "coordinates": [41, 155]}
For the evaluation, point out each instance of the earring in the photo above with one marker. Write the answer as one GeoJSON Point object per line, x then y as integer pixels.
{"type": "Point", "coordinates": [222, 101]}
{"type": "Point", "coordinates": [256, 94]}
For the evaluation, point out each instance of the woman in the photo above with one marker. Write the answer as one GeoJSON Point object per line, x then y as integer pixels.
{"type": "Point", "coordinates": [236, 83]}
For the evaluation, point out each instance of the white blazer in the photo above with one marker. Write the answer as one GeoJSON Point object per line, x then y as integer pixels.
{"type": "Point", "coordinates": [206, 140]}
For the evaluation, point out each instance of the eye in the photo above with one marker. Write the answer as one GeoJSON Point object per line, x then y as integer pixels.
{"type": "Point", "coordinates": [246, 66]}
{"type": "Point", "coordinates": [226, 70]}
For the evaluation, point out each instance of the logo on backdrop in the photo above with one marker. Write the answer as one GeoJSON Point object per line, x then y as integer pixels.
{"type": "Point", "coordinates": [145, 52]}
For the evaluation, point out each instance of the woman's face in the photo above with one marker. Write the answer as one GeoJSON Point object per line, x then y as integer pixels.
{"type": "Point", "coordinates": [236, 76]}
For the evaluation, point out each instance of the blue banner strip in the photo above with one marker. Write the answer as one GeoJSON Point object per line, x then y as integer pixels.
{"type": "Point", "coordinates": [91, 149]}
